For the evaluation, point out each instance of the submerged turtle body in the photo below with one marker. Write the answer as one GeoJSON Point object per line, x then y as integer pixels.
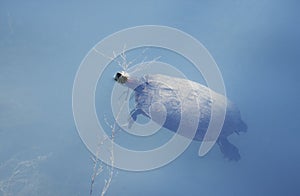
{"type": "Point", "coordinates": [170, 92]}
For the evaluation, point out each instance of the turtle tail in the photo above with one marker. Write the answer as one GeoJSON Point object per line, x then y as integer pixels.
{"type": "Point", "coordinates": [230, 151]}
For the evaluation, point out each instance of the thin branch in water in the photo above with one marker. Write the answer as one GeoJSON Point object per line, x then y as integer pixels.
{"type": "Point", "coordinates": [98, 167]}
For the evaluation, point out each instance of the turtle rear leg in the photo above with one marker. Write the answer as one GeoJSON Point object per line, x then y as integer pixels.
{"type": "Point", "coordinates": [230, 151]}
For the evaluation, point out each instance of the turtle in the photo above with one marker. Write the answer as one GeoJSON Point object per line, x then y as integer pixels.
{"type": "Point", "coordinates": [171, 91]}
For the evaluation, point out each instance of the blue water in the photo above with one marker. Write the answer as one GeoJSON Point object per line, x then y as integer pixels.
{"type": "Point", "coordinates": [256, 45]}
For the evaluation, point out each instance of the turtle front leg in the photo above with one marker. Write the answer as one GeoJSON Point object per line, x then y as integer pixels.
{"type": "Point", "coordinates": [133, 116]}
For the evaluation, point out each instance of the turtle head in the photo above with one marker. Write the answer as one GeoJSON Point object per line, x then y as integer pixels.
{"type": "Point", "coordinates": [124, 78]}
{"type": "Point", "coordinates": [121, 77]}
